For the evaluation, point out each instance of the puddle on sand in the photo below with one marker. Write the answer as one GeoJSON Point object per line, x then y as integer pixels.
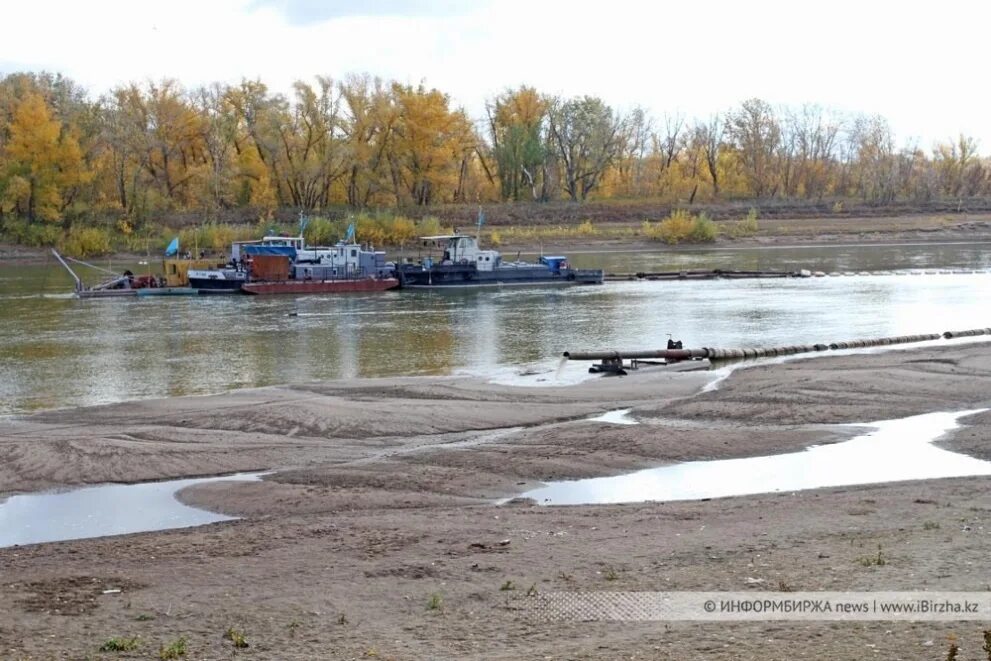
{"type": "Point", "coordinates": [894, 451]}
{"type": "Point", "coordinates": [106, 509]}
{"type": "Point", "coordinates": [619, 417]}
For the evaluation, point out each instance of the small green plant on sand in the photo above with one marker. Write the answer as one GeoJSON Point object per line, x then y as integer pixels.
{"type": "Point", "coordinates": [873, 560]}
{"type": "Point", "coordinates": [117, 644]}
{"type": "Point", "coordinates": [954, 650]}
{"type": "Point", "coordinates": [174, 650]}
{"type": "Point", "coordinates": [236, 636]}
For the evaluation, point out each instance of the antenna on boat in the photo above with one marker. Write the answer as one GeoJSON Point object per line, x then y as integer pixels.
{"type": "Point", "coordinates": [478, 232]}
{"type": "Point", "coordinates": [303, 222]}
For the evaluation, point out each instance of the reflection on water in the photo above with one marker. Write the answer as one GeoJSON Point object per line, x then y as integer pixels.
{"type": "Point", "coordinates": [896, 450]}
{"type": "Point", "coordinates": [56, 351]}
{"type": "Point", "coordinates": [619, 417]}
{"type": "Point", "coordinates": [109, 509]}
{"type": "Point", "coordinates": [974, 255]}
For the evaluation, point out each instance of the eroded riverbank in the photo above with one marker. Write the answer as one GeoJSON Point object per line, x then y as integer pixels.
{"type": "Point", "coordinates": [382, 498]}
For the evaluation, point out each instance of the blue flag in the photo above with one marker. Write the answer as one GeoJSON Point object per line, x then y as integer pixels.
{"type": "Point", "coordinates": [173, 248]}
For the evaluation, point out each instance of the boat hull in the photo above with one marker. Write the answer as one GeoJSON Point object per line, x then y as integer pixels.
{"type": "Point", "coordinates": [460, 276]}
{"type": "Point", "coordinates": [216, 284]}
{"type": "Point", "coordinates": [106, 293]}
{"type": "Point", "coordinates": [320, 286]}
{"type": "Point", "coordinates": [167, 291]}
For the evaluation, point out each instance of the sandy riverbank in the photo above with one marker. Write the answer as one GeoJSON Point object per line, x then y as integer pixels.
{"type": "Point", "coordinates": [382, 497]}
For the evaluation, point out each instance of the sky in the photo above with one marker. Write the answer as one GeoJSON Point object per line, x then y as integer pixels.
{"type": "Point", "coordinates": [919, 64]}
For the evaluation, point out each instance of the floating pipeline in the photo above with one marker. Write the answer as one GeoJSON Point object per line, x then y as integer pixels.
{"type": "Point", "coordinates": [615, 357]}
{"type": "Point", "coordinates": [723, 274]}
{"type": "Point", "coordinates": [949, 335]}
{"type": "Point", "coordinates": [884, 341]}
{"type": "Point", "coordinates": [715, 274]}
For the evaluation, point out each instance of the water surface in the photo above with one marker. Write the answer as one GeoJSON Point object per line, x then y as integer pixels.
{"type": "Point", "coordinates": [894, 451]}
{"type": "Point", "coordinates": [56, 351]}
{"type": "Point", "coordinates": [106, 509]}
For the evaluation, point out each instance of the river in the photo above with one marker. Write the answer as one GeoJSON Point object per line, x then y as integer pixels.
{"type": "Point", "coordinates": [56, 351]}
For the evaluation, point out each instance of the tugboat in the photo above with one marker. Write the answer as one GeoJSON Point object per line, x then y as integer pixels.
{"type": "Point", "coordinates": [464, 264]}
{"type": "Point", "coordinates": [286, 265]}
{"type": "Point", "coordinates": [345, 267]}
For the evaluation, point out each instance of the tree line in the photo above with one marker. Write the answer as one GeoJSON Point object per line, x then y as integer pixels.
{"type": "Point", "coordinates": [141, 150]}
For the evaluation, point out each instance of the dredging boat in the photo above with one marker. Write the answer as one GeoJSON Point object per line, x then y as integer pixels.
{"type": "Point", "coordinates": [464, 264]}
{"type": "Point", "coordinates": [126, 284]}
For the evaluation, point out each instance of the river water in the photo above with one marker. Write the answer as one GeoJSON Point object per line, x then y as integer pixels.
{"type": "Point", "coordinates": [56, 351]}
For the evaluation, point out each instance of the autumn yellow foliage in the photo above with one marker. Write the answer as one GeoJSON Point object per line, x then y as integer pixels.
{"type": "Point", "coordinates": [132, 159]}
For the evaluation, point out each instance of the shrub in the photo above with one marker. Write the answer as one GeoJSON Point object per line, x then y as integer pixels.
{"type": "Point", "coordinates": [35, 234]}
{"type": "Point", "coordinates": [86, 242]}
{"type": "Point", "coordinates": [369, 229]}
{"type": "Point", "coordinates": [323, 231]}
{"type": "Point", "coordinates": [401, 230]}
{"type": "Point", "coordinates": [747, 226]}
{"type": "Point", "coordinates": [703, 229]}
{"type": "Point", "coordinates": [681, 226]}
{"type": "Point", "coordinates": [428, 226]}
{"type": "Point", "coordinates": [674, 229]}
{"type": "Point", "coordinates": [216, 237]}
{"type": "Point", "coordinates": [587, 229]}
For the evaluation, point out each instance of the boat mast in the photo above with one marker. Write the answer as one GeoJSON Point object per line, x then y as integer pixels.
{"type": "Point", "coordinates": [478, 231]}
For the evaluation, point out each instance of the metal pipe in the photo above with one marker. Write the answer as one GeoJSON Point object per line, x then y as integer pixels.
{"type": "Point", "coordinates": [92, 266]}
{"type": "Point", "coordinates": [715, 353]}
{"type": "Point", "coordinates": [966, 333]}
{"type": "Point", "coordinates": [674, 354]}
{"type": "Point", "coordinates": [79, 283]}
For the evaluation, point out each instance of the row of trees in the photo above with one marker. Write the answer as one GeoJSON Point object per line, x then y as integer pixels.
{"type": "Point", "coordinates": [362, 142]}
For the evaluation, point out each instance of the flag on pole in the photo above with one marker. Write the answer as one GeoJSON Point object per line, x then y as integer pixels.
{"type": "Point", "coordinates": [173, 248]}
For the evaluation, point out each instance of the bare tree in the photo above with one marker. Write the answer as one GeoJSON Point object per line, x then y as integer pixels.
{"type": "Point", "coordinates": [756, 134]}
{"type": "Point", "coordinates": [708, 136]}
{"type": "Point", "coordinates": [587, 135]}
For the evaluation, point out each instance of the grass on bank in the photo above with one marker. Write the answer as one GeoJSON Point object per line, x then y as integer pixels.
{"type": "Point", "coordinates": [379, 229]}
{"type": "Point", "coordinates": [120, 237]}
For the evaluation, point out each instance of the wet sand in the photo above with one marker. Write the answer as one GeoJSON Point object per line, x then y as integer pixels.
{"type": "Point", "coordinates": [383, 493]}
